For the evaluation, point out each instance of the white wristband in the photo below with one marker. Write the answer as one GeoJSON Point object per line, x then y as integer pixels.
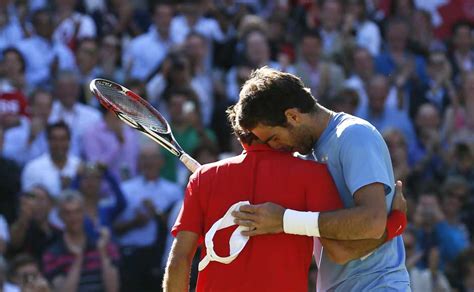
{"type": "Point", "coordinates": [301, 223]}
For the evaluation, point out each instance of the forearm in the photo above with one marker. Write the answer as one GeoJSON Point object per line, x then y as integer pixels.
{"type": "Point", "coordinates": [343, 251]}
{"type": "Point", "coordinates": [110, 276]}
{"type": "Point", "coordinates": [352, 224]}
{"type": "Point", "coordinates": [124, 226]}
{"type": "Point", "coordinates": [177, 274]}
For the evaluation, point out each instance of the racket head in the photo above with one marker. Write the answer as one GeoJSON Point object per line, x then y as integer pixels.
{"type": "Point", "coordinates": [136, 112]}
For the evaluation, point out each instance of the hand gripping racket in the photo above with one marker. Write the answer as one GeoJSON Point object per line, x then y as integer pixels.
{"type": "Point", "coordinates": [139, 114]}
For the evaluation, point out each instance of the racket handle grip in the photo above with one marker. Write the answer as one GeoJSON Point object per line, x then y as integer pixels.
{"type": "Point", "coordinates": [189, 162]}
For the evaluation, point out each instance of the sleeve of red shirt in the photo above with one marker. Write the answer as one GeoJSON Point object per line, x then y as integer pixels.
{"type": "Point", "coordinates": [322, 194]}
{"type": "Point", "coordinates": [191, 216]}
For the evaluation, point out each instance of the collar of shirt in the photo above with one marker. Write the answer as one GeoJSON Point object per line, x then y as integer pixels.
{"type": "Point", "coordinates": [257, 147]}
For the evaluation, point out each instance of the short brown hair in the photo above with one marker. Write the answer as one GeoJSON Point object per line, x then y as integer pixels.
{"type": "Point", "coordinates": [266, 96]}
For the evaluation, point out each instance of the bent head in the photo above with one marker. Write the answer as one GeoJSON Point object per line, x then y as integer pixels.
{"type": "Point", "coordinates": [276, 108]}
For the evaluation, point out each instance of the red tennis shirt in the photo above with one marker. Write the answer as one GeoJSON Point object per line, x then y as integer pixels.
{"type": "Point", "coordinates": [277, 262]}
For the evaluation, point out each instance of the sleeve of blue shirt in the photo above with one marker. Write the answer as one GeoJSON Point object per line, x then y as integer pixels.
{"type": "Point", "coordinates": [364, 158]}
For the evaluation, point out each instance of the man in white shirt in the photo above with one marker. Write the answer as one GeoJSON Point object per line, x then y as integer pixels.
{"type": "Point", "coordinates": [53, 170]}
{"type": "Point", "coordinates": [148, 195]}
{"type": "Point", "coordinates": [77, 116]}
{"type": "Point", "coordinates": [145, 53]}
{"type": "Point", "coordinates": [44, 56]}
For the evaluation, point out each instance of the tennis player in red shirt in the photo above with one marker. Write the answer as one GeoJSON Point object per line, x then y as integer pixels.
{"type": "Point", "coordinates": [277, 262]}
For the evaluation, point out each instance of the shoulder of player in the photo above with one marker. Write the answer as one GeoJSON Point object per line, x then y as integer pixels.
{"type": "Point", "coordinates": [354, 129]}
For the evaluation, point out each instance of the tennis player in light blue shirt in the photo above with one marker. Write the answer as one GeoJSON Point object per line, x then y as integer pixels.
{"type": "Point", "coordinates": [353, 165]}
{"type": "Point", "coordinates": [277, 109]}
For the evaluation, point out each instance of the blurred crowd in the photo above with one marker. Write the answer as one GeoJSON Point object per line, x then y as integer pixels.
{"type": "Point", "coordinates": [86, 202]}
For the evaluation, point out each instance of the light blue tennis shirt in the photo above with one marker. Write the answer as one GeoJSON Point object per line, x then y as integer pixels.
{"type": "Point", "coordinates": [356, 155]}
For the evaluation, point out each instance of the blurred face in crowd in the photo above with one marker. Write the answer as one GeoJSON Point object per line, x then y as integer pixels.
{"type": "Point", "coordinates": [397, 36]}
{"type": "Point", "coordinates": [257, 48]}
{"type": "Point", "coordinates": [26, 273]}
{"type": "Point", "coordinates": [162, 17]}
{"type": "Point", "coordinates": [462, 38]}
{"type": "Point", "coordinates": [41, 106]}
{"type": "Point", "coordinates": [363, 63]}
{"type": "Point", "coordinates": [43, 204]}
{"type": "Point", "coordinates": [331, 15]}
{"type": "Point", "coordinates": [427, 118]}
{"type": "Point", "coordinates": [87, 55]}
{"type": "Point", "coordinates": [72, 214]}
{"type": "Point", "coordinates": [196, 48]}
{"type": "Point", "coordinates": [13, 64]}
{"type": "Point", "coordinates": [396, 146]}
{"type": "Point", "coordinates": [311, 49]}
{"type": "Point", "coordinates": [109, 49]}
{"type": "Point", "coordinates": [43, 24]}
{"type": "Point", "coordinates": [377, 93]}
{"type": "Point", "coordinates": [151, 161]}
{"type": "Point", "coordinates": [59, 144]}
{"type": "Point", "coordinates": [91, 182]}
{"type": "Point", "coordinates": [177, 107]}
{"type": "Point", "coordinates": [67, 90]}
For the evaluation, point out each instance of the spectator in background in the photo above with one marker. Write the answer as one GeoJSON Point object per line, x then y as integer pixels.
{"type": "Point", "coordinates": [398, 148]}
{"type": "Point", "coordinates": [346, 100]}
{"type": "Point", "coordinates": [71, 24]}
{"type": "Point", "coordinates": [75, 261]}
{"type": "Point", "coordinates": [462, 52]}
{"type": "Point", "coordinates": [10, 183]}
{"type": "Point", "coordinates": [439, 90]}
{"type": "Point", "coordinates": [87, 59]}
{"type": "Point", "coordinates": [362, 70]}
{"type": "Point", "coordinates": [32, 232]}
{"type": "Point", "coordinates": [110, 66]}
{"type": "Point", "coordinates": [425, 153]}
{"type": "Point", "coordinates": [423, 279]}
{"type": "Point", "coordinates": [55, 169]}
{"type": "Point", "coordinates": [196, 49]}
{"type": "Point", "coordinates": [25, 272]}
{"type": "Point", "coordinates": [379, 114]}
{"type": "Point", "coordinates": [256, 55]}
{"type": "Point", "coordinates": [462, 271]}
{"type": "Point", "coordinates": [433, 231]}
{"type": "Point", "coordinates": [28, 141]}
{"type": "Point", "coordinates": [188, 129]}
{"type": "Point", "coordinates": [331, 35]}
{"type": "Point", "coordinates": [13, 68]}
{"type": "Point", "coordinates": [357, 24]}
{"type": "Point", "coordinates": [422, 40]}
{"type": "Point", "coordinates": [148, 196]}
{"type": "Point", "coordinates": [396, 61]}
{"type": "Point", "coordinates": [323, 78]}
{"type": "Point", "coordinates": [462, 164]}
{"type": "Point", "coordinates": [44, 56]}
{"type": "Point", "coordinates": [66, 107]}
{"type": "Point", "coordinates": [113, 144]}
{"type": "Point", "coordinates": [10, 28]}
{"type": "Point", "coordinates": [13, 104]}
{"type": "Point", "coordinates": [459, 118]}
{"type": "Point", "coordinates": [101, 208]}
{"type": "Point", "coordinates": [145, 53]}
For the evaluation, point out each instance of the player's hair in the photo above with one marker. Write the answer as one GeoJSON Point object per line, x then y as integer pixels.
{"type": "Point", "coordinates": [266, 96]}
{"type": "Point", "coordinates": [59, 125]}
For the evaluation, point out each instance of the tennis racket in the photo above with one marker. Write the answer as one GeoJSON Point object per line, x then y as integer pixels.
{"type": "Point", "coordinates": [139, 114]}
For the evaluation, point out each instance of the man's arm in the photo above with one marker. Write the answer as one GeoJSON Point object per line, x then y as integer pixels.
{"type": "Point", "coordinates": [366, 220]}
{"type": "Point", "coordinates": [178, 268]}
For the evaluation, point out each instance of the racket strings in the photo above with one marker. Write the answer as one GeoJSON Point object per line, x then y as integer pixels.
{"type": "Point", "coordinates": [133, 109]}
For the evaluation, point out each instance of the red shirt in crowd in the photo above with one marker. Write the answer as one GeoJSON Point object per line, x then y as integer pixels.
{"type": "Point", "coordinates": [268, 262]}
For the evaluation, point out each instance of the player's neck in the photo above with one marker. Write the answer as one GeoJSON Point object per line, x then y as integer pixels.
{"type": "Point", "coordinates": [321, 119]}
